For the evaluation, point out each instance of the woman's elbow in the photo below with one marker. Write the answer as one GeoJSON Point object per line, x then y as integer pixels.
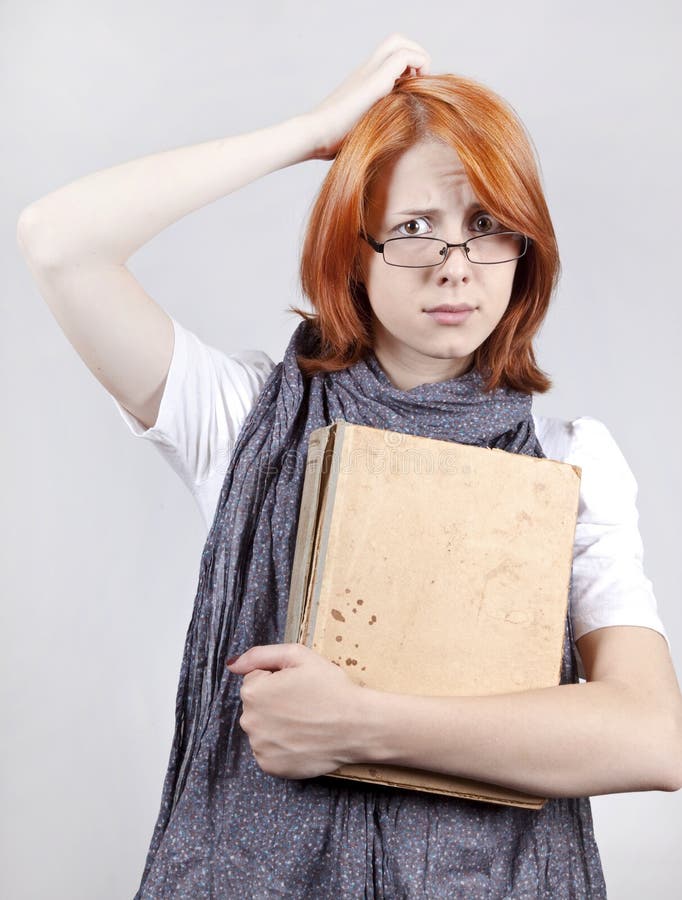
{"type": "Point", "coordinates": [673, 779]}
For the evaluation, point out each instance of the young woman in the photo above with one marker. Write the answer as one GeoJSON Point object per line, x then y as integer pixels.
{"type": "Point", "coordinates": [430, 260]}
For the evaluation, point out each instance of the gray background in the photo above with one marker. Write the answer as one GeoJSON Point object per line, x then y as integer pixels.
{"type": "Point", "coordinates": [101, 539]}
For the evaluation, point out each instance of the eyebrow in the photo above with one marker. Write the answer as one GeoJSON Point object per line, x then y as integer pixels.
{"type": "Point", "coordinates": [433, 211]}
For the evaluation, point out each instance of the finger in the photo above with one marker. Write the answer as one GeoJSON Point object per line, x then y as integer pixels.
{"type": "Point", "coordinates": [268, 656]}
{"type": "Point", "coordinates": [393, 42]}
{"type": "Point", "coordinates": [398, 43]}
{"type": "Point", "coordinates": [249, 683]}
{"type": "Point", "coordinates": [405, 60]}
{"type": "Point", "coordinates": [253, 675]}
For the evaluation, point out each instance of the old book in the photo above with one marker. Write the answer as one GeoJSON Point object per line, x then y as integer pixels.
{"type": "Point", "coordinates": [431, 567]}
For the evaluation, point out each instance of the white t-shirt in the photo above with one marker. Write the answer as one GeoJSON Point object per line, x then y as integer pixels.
{"type": "Point", "coordinates": [209, 393]}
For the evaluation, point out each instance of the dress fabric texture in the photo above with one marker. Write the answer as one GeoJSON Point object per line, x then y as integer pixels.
{"type": "Point", "coordinates": [227, 829]}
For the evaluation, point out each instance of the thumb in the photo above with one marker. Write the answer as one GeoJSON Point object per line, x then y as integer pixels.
{"type": "Point", "coordinates": [266, 656]}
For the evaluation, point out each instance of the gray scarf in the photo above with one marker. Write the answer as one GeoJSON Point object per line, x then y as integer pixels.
{"type": "Point", "coordinates": [226, 829]}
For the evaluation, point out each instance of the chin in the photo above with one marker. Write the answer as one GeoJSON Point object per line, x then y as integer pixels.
{"type": "Point", "coordinates": [451, 349]}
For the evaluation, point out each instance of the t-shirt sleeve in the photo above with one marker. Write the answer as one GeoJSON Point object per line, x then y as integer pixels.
{"type": "Point", "coordinates": [609, 583]}
{"type": "Point", "coordinates": [206, 399]}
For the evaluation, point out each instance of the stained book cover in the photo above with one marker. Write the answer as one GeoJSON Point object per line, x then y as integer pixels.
{"type": "Point", "coordinates": [434, 568]}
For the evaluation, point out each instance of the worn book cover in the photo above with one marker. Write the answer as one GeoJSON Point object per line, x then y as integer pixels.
{"type": "Point", "coordinates": [435, 568]}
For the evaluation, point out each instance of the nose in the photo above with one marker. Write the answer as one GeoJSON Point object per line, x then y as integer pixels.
{"type": "Point", "coordinates": [456, 266]}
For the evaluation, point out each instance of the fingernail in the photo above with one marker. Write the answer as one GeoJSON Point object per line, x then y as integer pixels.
{"type": "Point", "coordinates": [233, 659]}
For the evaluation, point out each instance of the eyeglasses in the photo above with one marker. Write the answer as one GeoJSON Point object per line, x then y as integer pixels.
{"type": "Point", "coordinates": [420, 252]}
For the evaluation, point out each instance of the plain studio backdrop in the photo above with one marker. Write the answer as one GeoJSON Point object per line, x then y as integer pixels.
{"type": "Point", "coordinates": [102, 541]}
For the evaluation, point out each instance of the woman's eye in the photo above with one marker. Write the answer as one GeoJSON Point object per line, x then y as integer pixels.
{"type": "Point", "coordinates": [489, 224]}
{"type": "Point", "coordinates": [410, 232]}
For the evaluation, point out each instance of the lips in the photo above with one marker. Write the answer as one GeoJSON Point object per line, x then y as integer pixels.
{"type": "Point", "coordinates": [447, 314]}
{"type": "Point", "coordinates": [449, 307]}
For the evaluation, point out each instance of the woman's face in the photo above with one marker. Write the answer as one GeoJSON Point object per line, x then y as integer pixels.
{"type": "Point", "coordinates": [413, 347]}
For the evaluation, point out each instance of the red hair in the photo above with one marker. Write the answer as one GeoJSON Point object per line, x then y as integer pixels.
{"type": "Point", "coordinates": [499, 160]}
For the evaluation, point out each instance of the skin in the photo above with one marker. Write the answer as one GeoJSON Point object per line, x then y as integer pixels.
{"type": "Point", "coordinates": [411, 346]}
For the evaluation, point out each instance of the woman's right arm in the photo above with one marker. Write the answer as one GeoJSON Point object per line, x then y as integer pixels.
{"type": "Point", "coordinates": [76, 241]}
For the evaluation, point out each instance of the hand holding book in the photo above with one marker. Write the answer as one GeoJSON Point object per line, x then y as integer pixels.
{"type": "Point", "coordinates": [298, 710]}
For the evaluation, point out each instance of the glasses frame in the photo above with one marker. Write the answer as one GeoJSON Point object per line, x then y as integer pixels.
{"type": "Point", "coordinates": [379, 247]}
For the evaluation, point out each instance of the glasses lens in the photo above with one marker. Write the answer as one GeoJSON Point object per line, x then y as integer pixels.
{"type": "Point", "coordinates": [414, 251]}
{"type": "Point", "coordinates": [496, 248]}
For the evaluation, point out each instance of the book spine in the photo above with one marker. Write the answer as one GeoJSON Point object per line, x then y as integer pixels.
{"type": "Point", "coordinates": [305, 534]}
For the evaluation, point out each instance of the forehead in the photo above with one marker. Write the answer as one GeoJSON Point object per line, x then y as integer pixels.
{"type": "Point", "coordinates": [427, 174]}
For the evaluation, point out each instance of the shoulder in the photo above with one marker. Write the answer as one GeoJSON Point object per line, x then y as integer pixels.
{"type": "Point", "coordinates": [208, 394]}
{"type": "Point", "coordinates": [607, 484]}
{"type": "Point", "coordinates": [564, 437]}
{"type": "Point", "coordinates": [243, 364]}
{"type": "Point", "coordinates": [609, 585]}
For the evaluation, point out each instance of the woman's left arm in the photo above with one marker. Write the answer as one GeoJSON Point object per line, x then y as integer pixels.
{"type": "Point", "coordinates": [620, 731]}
